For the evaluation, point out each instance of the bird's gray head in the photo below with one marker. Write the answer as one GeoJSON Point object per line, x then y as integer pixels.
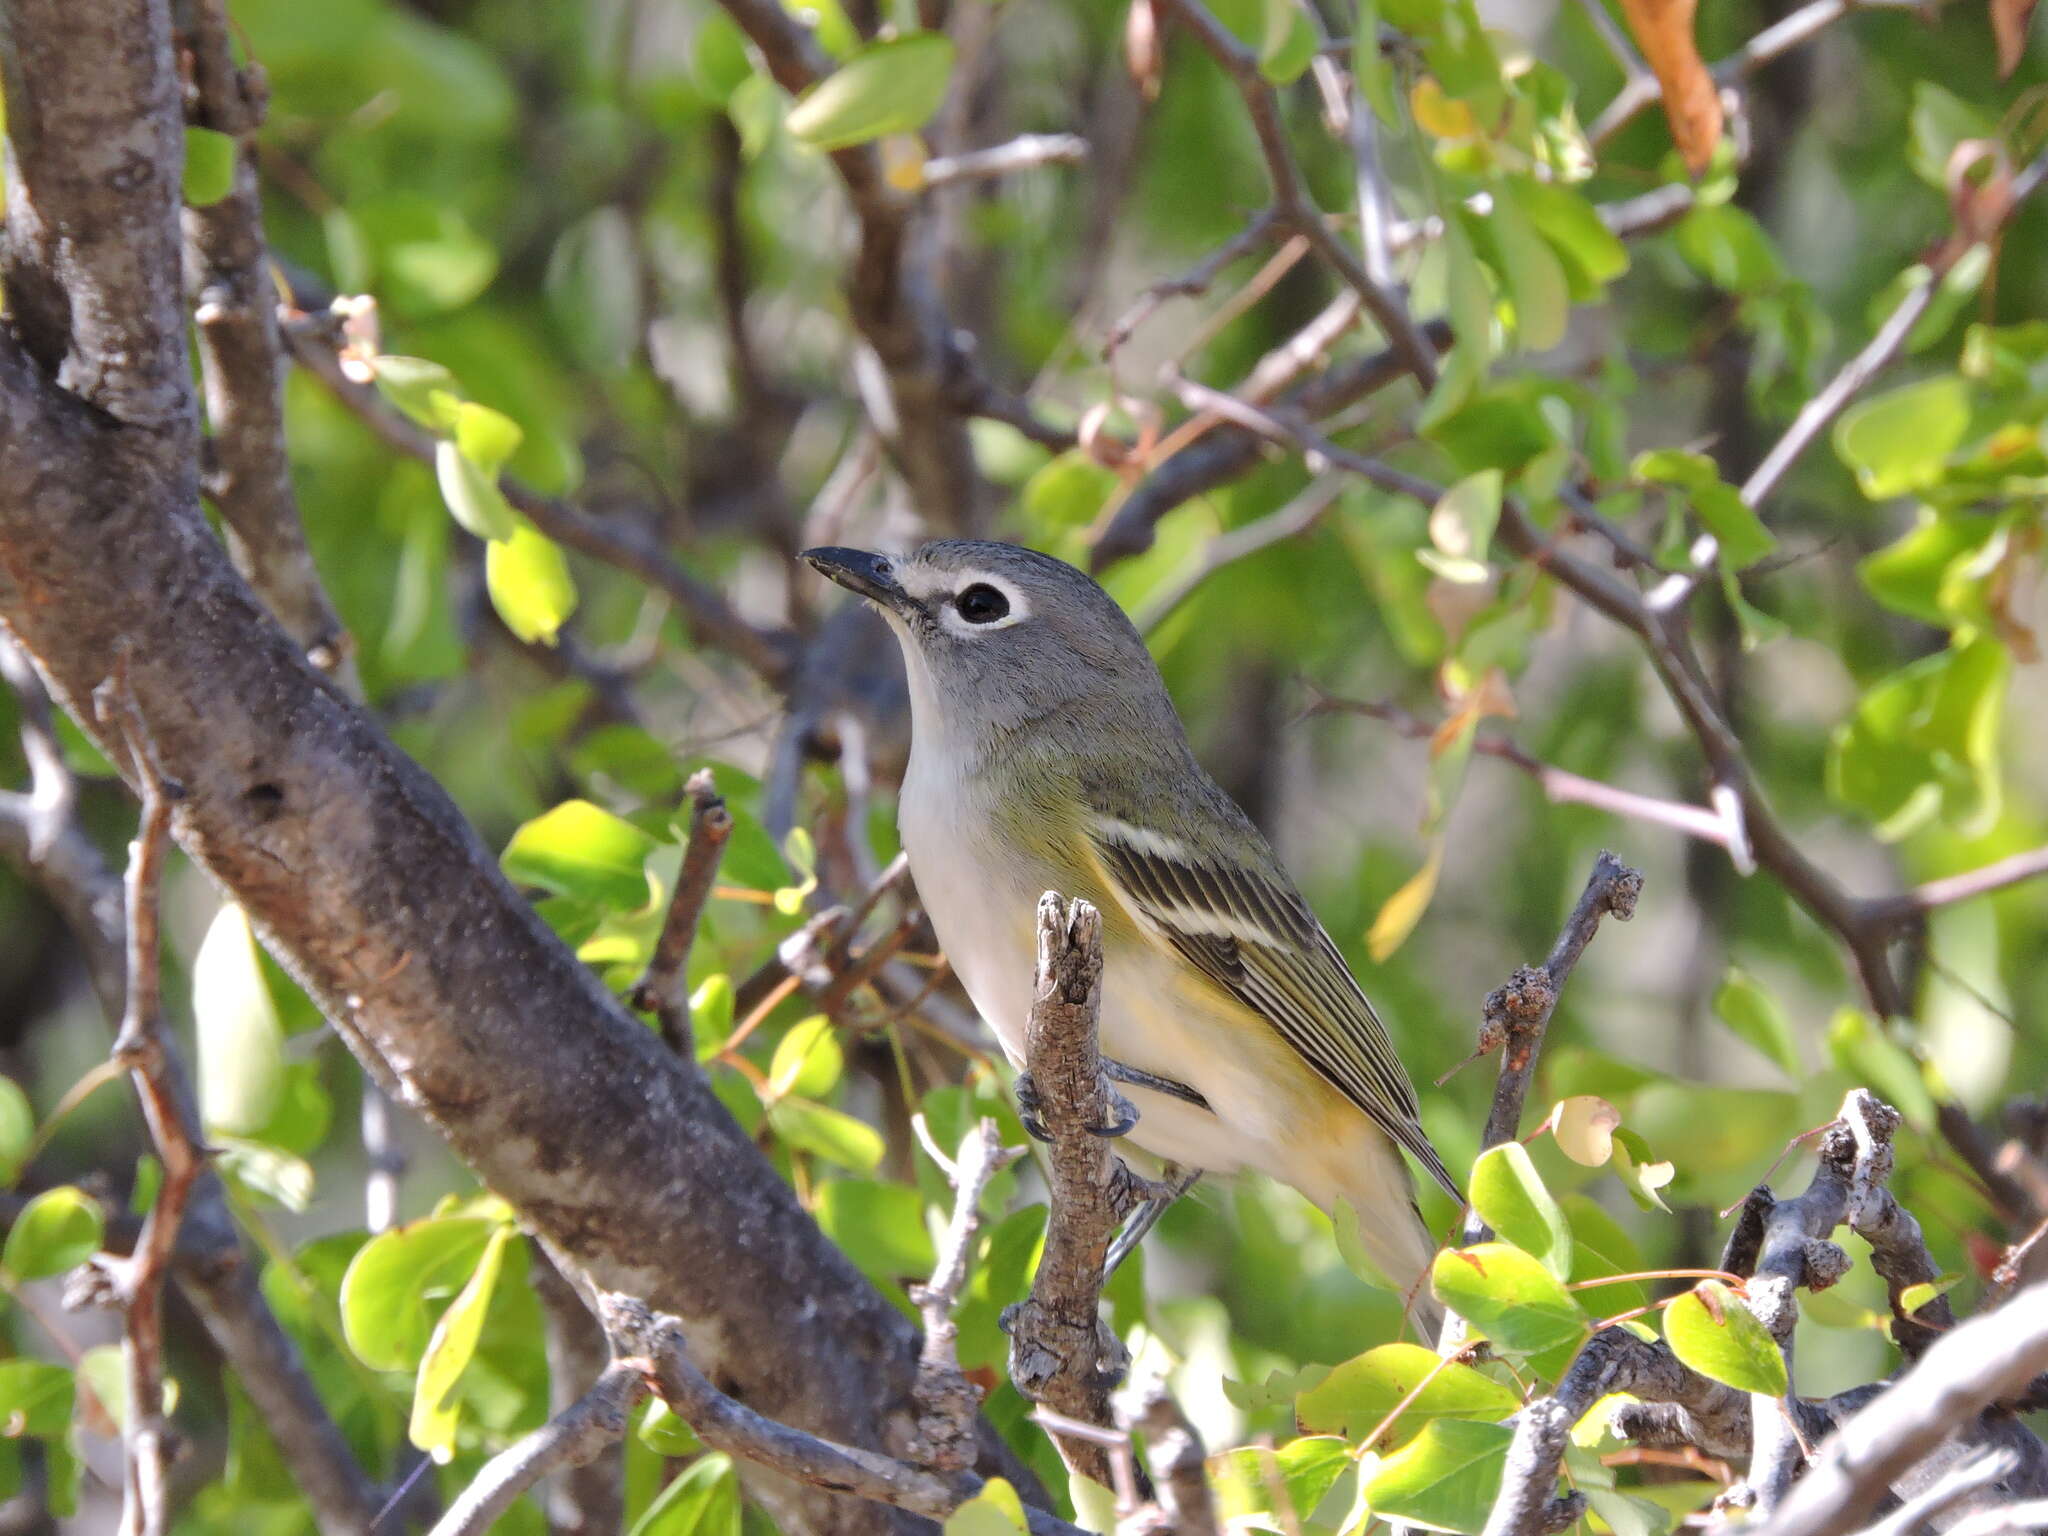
{"type": "Point", "coordinates": [997, 634]}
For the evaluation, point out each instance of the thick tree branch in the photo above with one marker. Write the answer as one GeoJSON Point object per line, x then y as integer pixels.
{"type": "Point", "coordinates": [95, 151]}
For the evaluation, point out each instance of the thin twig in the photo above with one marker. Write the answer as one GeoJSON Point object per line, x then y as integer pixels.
{"type": "Point", "coordinates": [1026, 152]}
{"type": "Point", "coordinates": [664, 989]}
{"type": "Point", "coordinates": [1901, 910]}
{"type": "Point", "coordinates": [148, 1442]}
{"type": "Point", "coordinates": [1225, 549]}
{"type": "Point", "coordinates": [946, 1400]}
{"type": "Point", "coordinates": [730, 1426]}
{"type": "Point", "coordinates": [586, 1429]}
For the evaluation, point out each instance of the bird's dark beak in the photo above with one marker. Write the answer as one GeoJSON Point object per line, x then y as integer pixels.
{"type": "Point", "coordinates": [868, 575]}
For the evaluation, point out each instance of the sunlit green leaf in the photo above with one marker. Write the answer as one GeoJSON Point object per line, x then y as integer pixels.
{"type": "Point", "coordinates": [580, 850]}
{"type": "Point", "coordinates": [1710, 1329]}
{"type": "Point", "coordinates": [528, 578]}
{"type": "Point", "coordinates": [1899, 441]}
{"type": "Point", "coordinates": [827, 1133]}
{"type": "Point", "coordinates": [704, 1500]}
{"type": "Point", "coordinates": [17, 1129]}
{"type": "Point", "coordinates": [880, 1226]}
{"type": "Point", "coordinates": [1861, 1047]}
{"type": "Point", "coordinates": [241, 1040]}
{"type": "Point", "coordinates": [35, 1398]}
{"type": "Point", "coordinates": [1509, 1195]}
{"type": "Point", "coordinates": [58, 1230]}
{"type": "Point", "coordinates": [1509, 1296]}
{"type": "Point", "coordinates": [1278, 1489]}
{"type": "Point", "coordinates": [473, 497]}
{"type": "Point", "coordinates": [1445, 1479]}
{"type": "Point", "coordinates": [663, 1433]}
{"type": "Point", "coordinates": [389, 1291]}
{"type": "Point", "coordinates": [887, 87]}
{"type": "Point", "coordinates": [450, 1350]}
{"type": "Point", "coordinates": [994, 1511]}
{"type": "Point", "coordinates": [1355, 1397]}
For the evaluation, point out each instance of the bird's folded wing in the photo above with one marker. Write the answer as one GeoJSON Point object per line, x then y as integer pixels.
{"type": "Point", "coordinates": [1256, 940]}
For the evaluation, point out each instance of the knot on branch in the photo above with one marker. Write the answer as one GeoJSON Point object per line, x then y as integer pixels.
{"type": "Point", "coordinates": [1825, 1263]}
{"type": "Point", "coordinates": [1048, 1351]}
{"type": "Point", "coordinates": [1524, 1002]}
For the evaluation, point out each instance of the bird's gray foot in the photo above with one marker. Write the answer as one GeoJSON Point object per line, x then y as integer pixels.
{"type": "Point", "coordinates": [1028, 1104]}
{"type": "Point", "coordinates": [1153, 1199]}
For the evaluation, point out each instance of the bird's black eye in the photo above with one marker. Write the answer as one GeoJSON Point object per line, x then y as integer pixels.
{"type": "Point", "coordinates": [981, 604]}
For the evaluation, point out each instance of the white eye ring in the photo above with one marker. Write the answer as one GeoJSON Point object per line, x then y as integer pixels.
{"type": "Point", "coordinates": [1017, 607]}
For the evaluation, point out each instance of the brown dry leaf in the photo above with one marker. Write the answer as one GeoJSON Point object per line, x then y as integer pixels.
{"type": "Point", "coordinates": [2009, 20]}
{"type": "Point", "coordinates": [1663, 30]}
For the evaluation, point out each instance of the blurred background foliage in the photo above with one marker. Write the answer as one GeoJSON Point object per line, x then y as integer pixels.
{"type": "Point", "coordinates": [595, 218]}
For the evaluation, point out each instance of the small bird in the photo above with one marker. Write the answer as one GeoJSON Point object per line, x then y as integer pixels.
{"type": "Point", "coordinates": [1046, 755]}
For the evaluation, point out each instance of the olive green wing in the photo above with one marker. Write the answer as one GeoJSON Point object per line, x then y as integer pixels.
{"type": "Point", "coordinates": [1256, 939]}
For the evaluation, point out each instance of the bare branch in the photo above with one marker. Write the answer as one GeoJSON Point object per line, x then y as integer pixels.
{"type": "Point", "coordinates": [584, 1497]}
{"type": "Point", "coordinates": [1062, 1354]}
{"type": "Point", "coordinates": [1191, 283]}
{"type": "Point", "coordinates": [1184, 1504]}
{"type": "Point", "coordinates": [946, 1399]}
{"type": "Point", "coordinates": [664, 989]}
{"type": "Point", "coordinates": [1903, 909]}
{"type": "Point", "coordinates": [1518, 1014]}
{"type": "Point", "coordinates": [892, 306]}
{"type": "Point", "coordinates": [1966, 1370]}
{"type": "Point", "coordinates": [148, 1442]}
{"type": "Point", "coordinates": [241, 358]}
{"type": "Point", "coordinates": [578, 1434]}
{"type": "Point", "coordinates": [730, 1426]}
{"type": "Point", "coordinates": [1225, 549]}
{"type": "Point", "coordinates": [1025, 152]}
{"type": "Point", "coordinates": [1290, 197]}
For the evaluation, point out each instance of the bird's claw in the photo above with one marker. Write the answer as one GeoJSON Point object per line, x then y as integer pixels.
{"type": "Point", "coordinates": [1027, 1108]}
{"type": "Point", "coordinates": [1123, 1116]}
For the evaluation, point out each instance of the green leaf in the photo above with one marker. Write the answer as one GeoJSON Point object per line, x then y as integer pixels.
{"type": "Point", "coordinates": [1709, 1329]}
{"type": "Point", "coordinates": [1594, 255]}
{"type": "Point", "coordinates": [1278, 1489]}
{"type": "Point", "coordinates": [1719, 506]}
{"type": "Point", "coordinates": [1911, 575]}
{"type": "Point", "coordinates": [1509, 1194]}
{"type": "Point", "coordinates": [528, 578]}
{"type": "Point", "coordinates": [58, 1230]}
{"type": "Point", "coordinates": [994, 1511]}
{"type": "Point", "coordinates": [1727, 246]}
{"type": "Point", "coordinates": [473, 497]}
{"type": "Point", "coordinates": [424, 390]}
{"type": "Point", "coordinates": [1940, 121]}
{"type": "Point", "coordinates": [1640, 1174]}
{"type": "Point", "coordinates": [241, 1039]}
{"type": "Point", "coordinates": [1745, 1007]}
{"type": "Point", "coordinates": [887, 87]}
{"type": "Point", "coordinates": [386, 1295]}
{"type": "Point", "coordinates": [1461, 528]}
{"type": "Point", "coordinates": [1509, 1296]}
{"type": "Point", "coordinates": [594, 290]}
{"type": "Point", "coordinates": [704, 1500]}
{"type": "Point", "coordinates": [1914, 1297]}
{"type": "Point", "coordinates": [1355, 1397]}
{"type": "Point", "coordinates": [827, 1133]}
{"type": "Point", "coordinates": [1445, 1479]}
{"type": "Point", "coordinates": [1533, 274]}
{"type": "Point", "coordinates": [209, 167]}
{"type": "Point", "coordinates": [36, 1398]}
{"type": "Point", "coordinates": [435, 1407]}
{"type": "Point", "coordinates": [1900, 441]}
{"type": "Point", "coordinates": [1861, 1048]}
{"type": "Point", "coordinates": [1370, 69]}
{"type": "Point", "coordinates": [807, 1059]}
{"type": "Point", "coordinates": [880, 1226]}
{"type": "Point", "coordinates": [17, 1129]}
{"type": "Point", "coordinates": [711, 1012]}
{"type": "Point", "coordinates": [663, 1433]}
{"type": "Point", "coordinates": [1287, 42]}
{"type": "Point", "coordinates": [486, 437]}
{"type": "Point", "coordinates": [267, 1171]}
{"type": "Point", "coordinates": [582, 851]}
{"type": "Point", "coordinates": [1066, 492]}
{"type": "Point", "coordinates": [1924, 742]}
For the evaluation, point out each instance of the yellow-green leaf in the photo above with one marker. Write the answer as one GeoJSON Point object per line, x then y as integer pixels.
{"type": "Point", "coordinates": [887, 87]}
{"type": "Point", "coordinates": [1710, 1329]}
{"type": "Point", "coordinates": [1509, 1195]}
{"type": "Point", "coordinates": [58, 1230]}
{"type": "Point", "coordinates": [528, 578]}
{"type": "Point", "coordinates": [241, 1038]}
{"type": "Point", "coordinates": [435, 1407]}
{"type": "Point", "coordinates": [1509, 1296]}
{"type": "Point", "coordinates": [209, 166]}
{"type": "Point", "coordinates": [1358, 1395]}
{"type": "Point", "coordinates": [473, 497]}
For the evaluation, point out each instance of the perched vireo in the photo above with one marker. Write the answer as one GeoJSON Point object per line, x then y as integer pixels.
{"type": "Point", "coordinates": [1046, 755]}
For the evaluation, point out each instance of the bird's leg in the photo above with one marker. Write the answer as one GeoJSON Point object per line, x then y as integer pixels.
{"type": "Point", "coordinates": [1123, 1115]}
{"type": "Point", "coordinates": [1152, 1197]}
